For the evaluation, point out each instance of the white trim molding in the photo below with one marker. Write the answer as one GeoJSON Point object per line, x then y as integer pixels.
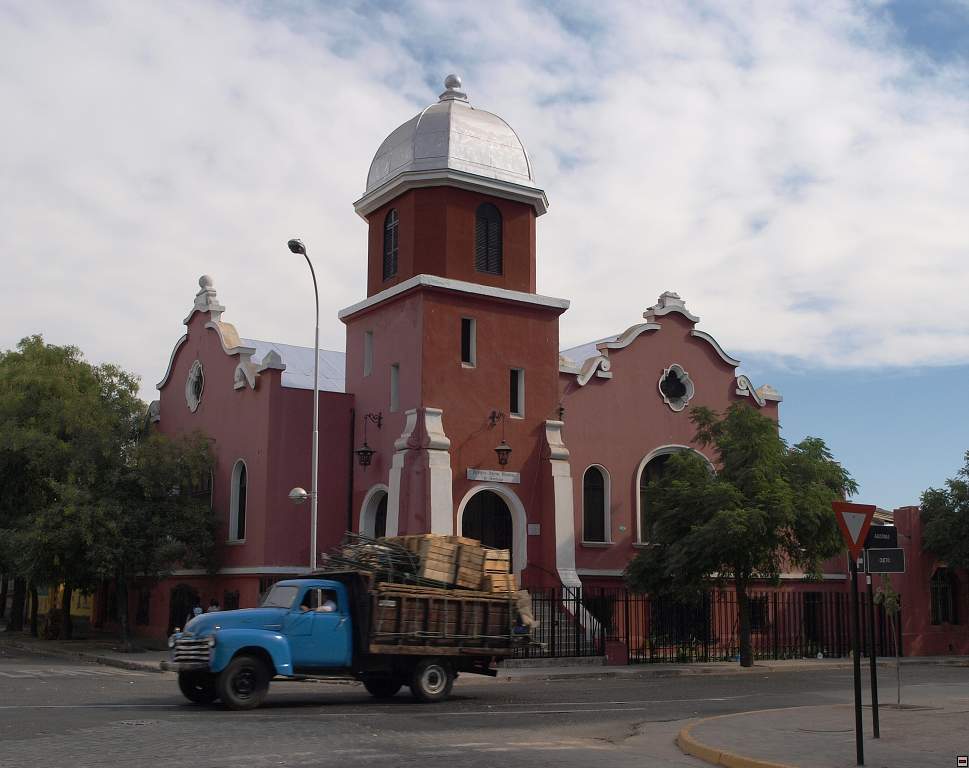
{"type": "Point", "coordinates": [563, 495]}
{"type": "Point", "coordinates": [444, 283]}
{"type": "Point", "coordinates": [731, 361]}
{"type": "Point", "coordinates": [627, 337]}
{"type": "Point", "coordinates": [402, 182]}
{"type": "Point", "coordinates": [677, 404]}
{"type": "Point", "coordinates": [662, 450]}
{"type": "Point", "coordinates": [599, 572]}
{"type": "Point", "coordinates": [669, 301]}
{"type": "Point", "coordinates": [247, 570]}
{"type": "Point", "coordinates": [761, 395]}
{"type": "Point", "coordinates": [368, 509]}
{"type": "Point", "coordinates": [519, 520]}
{"type": "Point", "coordinates": [234, 502]}
{"type": "Point", "coordinates": [171, 362]}
{"type": "Point", "coordinates": [193, 399]}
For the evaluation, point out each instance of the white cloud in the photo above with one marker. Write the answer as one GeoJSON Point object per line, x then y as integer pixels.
{"type": "Point", "coordinates": [791, 170]}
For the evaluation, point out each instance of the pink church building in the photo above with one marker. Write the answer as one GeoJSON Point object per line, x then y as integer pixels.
{"type": "Point", "coordinates": [453, 409]}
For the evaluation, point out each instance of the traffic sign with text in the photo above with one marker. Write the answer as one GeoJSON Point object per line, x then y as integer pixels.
{"type": "Point", "coordinates": [885, 560]}
{"type": "Point", "coordinates": [881, 537]}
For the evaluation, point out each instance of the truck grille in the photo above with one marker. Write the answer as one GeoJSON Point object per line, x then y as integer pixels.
{"type": "Point", "coordinates": [191, 649]}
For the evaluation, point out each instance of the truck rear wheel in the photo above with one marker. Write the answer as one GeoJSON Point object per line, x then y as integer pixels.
{"type": "Point", "coordinates": [197, 687]}
{"type": "Point", "coordinates": [383, 687]}
{"type": "Point", "coordinates": [244, 683]}
{"type": "Point", "coordinates": [432, 680]}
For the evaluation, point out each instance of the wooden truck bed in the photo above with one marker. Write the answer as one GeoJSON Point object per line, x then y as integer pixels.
{"type": "Point", "coordinates": [408, 619]}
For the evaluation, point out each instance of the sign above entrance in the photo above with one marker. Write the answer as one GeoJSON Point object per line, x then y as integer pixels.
{"type": "Point", "coordinates": [493, 476]}
{"type": "Point", "coordinates": [854, 520]}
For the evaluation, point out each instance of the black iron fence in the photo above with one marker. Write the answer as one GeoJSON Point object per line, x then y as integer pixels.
{"type": "Point", "coordinates": [645, 629]}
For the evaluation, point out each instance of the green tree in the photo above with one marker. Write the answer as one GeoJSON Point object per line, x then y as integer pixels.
{"type": "Point", "coordinates": [768, 504]}
{"type": "Point", "coordinates": [945, 519]}
{"type": "Point", "coordinates": [153, 518]}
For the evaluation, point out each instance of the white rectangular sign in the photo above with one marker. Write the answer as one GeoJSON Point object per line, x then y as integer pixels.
{"type": "Point", "coordinates": [493, 476]}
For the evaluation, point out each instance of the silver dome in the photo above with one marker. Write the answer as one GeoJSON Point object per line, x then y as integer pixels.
{"type": "Point", "coordinates": [452, 135]}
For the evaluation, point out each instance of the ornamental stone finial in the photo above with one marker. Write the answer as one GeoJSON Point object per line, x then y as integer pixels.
{"type": "Point", "coordinates": [453, 92]}
{"type": "Point", "coordinates": [206, 299]}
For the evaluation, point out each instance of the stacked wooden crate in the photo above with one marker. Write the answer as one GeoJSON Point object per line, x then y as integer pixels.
{"type": "Point", "coordinates": [436, 555]}
{"type": "Point", "coordinates": [497, 576]}
{"type": "Point", "coordinates": [469, 562]}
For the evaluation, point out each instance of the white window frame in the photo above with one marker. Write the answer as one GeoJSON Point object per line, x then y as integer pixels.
{"type": "Point", "coordinates": [394, 387]}
{"type": "Point", "coordinates": [606, 506]}
{"type": "Point", "coordinates": [473, 343]}
{"type": "Point", "coordinates": [367, 353]}
{"type": "Point", "coordinates": [234, 502]}
{"type": "Point", "coordinates": [520, 413]}
{"type": "Point", "coordinates": [661, 451]}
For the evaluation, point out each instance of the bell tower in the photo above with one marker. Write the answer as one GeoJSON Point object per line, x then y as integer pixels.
{"type": "Point", "coordinates": [452, 346]}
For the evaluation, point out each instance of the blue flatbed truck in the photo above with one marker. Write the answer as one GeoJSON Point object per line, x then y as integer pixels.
{"type": "Point", "coordinates": [344, 625]}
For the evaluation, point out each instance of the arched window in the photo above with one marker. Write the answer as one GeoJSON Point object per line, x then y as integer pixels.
{"type": "Point", "coordinates": [390, 244]}
{"type": "Point", "coordinates": [651, 473]}
{"type": "Point", "coordinates": [237, 502]}
{"type": "Point", "coordinates": [594, 506]}
{"type": "Point", "coordinates": [487, 239]}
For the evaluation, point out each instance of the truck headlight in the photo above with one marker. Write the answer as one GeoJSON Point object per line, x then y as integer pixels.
{"type": "Point", "coordinates": [171, 641]}
{"type": "Point", "coordinates": [211, 641]}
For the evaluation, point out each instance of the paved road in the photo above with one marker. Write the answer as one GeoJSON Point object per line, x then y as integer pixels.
{"type": "Point", "coordinates": [61, 713]}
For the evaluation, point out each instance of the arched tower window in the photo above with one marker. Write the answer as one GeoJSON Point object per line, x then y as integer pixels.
{"type": "Point", "coordinates": [237, 502]}
{"type": "Point", "coordinates": [390, 244]}
{"type": "Point", "coordinates": [487, 239]}
{"type": "Point", "coordinates": [594, 506]}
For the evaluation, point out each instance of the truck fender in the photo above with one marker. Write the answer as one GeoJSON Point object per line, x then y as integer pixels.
{"type": "Point", "coordinates": [228, 642]}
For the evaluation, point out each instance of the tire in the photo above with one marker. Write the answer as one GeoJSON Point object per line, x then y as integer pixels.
{"type": "Point", "coordinates": [197, 687]}
{"type": "Point", "coordinates": [244, 683]}
{"type": "Point", "coordinates": [383, 687]}
{"type": "Point", "coordinates": [432, 680]}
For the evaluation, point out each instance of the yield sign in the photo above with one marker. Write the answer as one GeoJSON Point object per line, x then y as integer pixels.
{"type": "Point", "coordinates": [854, 520]}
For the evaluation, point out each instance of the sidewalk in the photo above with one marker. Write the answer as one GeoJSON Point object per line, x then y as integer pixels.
{"type": "Point", "coordinates": [104, 650]}
{"type": "Point", "coordinates": [918, 734]}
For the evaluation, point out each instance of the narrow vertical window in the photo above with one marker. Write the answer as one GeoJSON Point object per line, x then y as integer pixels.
{"type": "Point", "coordinates": [594, 506]}
{"type": "Point", "coordinates": [237, 502]}
{"type": "Point", "coordinates": [390, 244]}
{"type": "Point", "coordinates": [516, 400]}
{"type": "Point", "coordinates": [395, 387]}
{"type": "Point", "coordinates": [487, 239]}
{"type": "Point", "coordinates": [367, 353]}
{"type": "Point", "coordinates": [468, 344]}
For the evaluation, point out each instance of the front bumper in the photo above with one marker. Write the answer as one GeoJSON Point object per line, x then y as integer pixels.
{"type": "Point", "coordinates": [184, 666]}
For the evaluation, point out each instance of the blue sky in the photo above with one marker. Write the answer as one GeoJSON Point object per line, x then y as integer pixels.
{"type": "Point", "coordinates": [795, 170]}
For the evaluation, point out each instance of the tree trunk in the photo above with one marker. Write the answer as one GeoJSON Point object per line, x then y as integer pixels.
{"type": "Point", "coordinates": [743, 608]}
{"type": "Point", "coordinates": [67, 626]}
{"type": "Point", "coordinates": [122, 597]}
{"type": "Point", "coordinates": [32, 611]}
{"type": "Point", "coordinates": [16, 621]}
{"type": "Point", "coordinates": [3, 595]}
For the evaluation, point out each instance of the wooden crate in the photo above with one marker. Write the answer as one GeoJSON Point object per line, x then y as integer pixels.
{"type": "Point", "coordinates": [500, 582]}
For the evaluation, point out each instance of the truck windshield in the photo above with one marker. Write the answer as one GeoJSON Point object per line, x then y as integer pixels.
{"type": "Point", "coordinates": [280, 596]}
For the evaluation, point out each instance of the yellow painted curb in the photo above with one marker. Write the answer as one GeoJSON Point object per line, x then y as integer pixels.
{"type": "Point", "coordinates": [714, 756]}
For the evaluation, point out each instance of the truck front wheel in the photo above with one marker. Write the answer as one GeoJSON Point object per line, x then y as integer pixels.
{"type": "Point", "coordinates": [197, 687]}
{"type": "Point", "coordinates": [432, 680]}
{"type": "Point", "coordinates": [244, 683]}
{"type": "Point", "coordinates": [383, 687]}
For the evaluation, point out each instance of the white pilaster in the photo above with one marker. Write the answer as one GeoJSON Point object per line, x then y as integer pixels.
{"type": "Point", "coordinates": [564, 513]}
{"type": "Point", "coordinates": [440, 496]}
{"type": "Point", "coordinates": [396, 470]}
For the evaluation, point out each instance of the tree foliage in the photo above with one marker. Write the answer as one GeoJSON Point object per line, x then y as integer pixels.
{"type": "Point", "coordinates": [768, 505]}
{"type": "Point", "coordinates": [85, 494]}
{"type": "Point", "coordinates": [945, 519]}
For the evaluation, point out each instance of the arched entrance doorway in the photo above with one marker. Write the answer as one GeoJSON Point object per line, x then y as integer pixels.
{"type": "Point", "coordinates": [488, 519]}
{"type": "Point", "coordinates": [373, 518]}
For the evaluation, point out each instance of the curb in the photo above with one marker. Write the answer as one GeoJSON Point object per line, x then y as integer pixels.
{"type": "Point", "coordinates": [685, 671]}
{"type": "Point", "coordinates": [107, 661]}
{"type": "Point", "coordinates": [690, 746]}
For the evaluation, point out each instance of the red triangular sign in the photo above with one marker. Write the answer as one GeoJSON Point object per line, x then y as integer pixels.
{"type": "Point", "coordinates": [854, 520]}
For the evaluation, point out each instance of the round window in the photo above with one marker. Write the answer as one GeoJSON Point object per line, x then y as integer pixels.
{"type": "Point", "coordinates": [194, 385]}
{"type": "Point", "coordinates": [676, 387]}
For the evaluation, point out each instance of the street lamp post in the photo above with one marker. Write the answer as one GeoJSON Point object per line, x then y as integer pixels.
{"type": "Point", "coordinates": [296, 246]}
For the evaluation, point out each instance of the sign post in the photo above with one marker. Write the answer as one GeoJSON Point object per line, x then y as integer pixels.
{"type": "Point", "coordinates": [854, 520]}
{"type": "Point", "coordinates": [871, 654]}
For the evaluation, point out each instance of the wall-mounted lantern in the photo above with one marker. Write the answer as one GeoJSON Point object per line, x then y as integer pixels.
{"type": "Point", "coordinates": [365, 452]}
{"type": "Point", "coordinates": [503, 450]}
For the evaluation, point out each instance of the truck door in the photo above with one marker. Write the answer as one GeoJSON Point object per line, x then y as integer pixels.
{"type": "Point", "coordinates": [319, 630]}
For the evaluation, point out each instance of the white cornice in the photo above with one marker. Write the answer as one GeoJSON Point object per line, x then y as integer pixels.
{"type": "Point", "coordinates": [171, 362]}
{"type": "Point", "coordinates": [628, 336]}
{"type": "Point", "coordinates": [244, 570]}
{"type": "Point", "coordinates": [717, 348]}
{"type": "Point", "coordinates": [433, 281]}
{"type": "Point", "coordinates": [452, 178]}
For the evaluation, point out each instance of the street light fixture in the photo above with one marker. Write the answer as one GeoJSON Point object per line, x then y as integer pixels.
{"type": "Point", "coordinates": [298, 495]}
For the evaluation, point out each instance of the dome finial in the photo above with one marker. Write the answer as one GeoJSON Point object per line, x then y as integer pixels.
{"type": "Point", "coordinates": [453, 92]}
